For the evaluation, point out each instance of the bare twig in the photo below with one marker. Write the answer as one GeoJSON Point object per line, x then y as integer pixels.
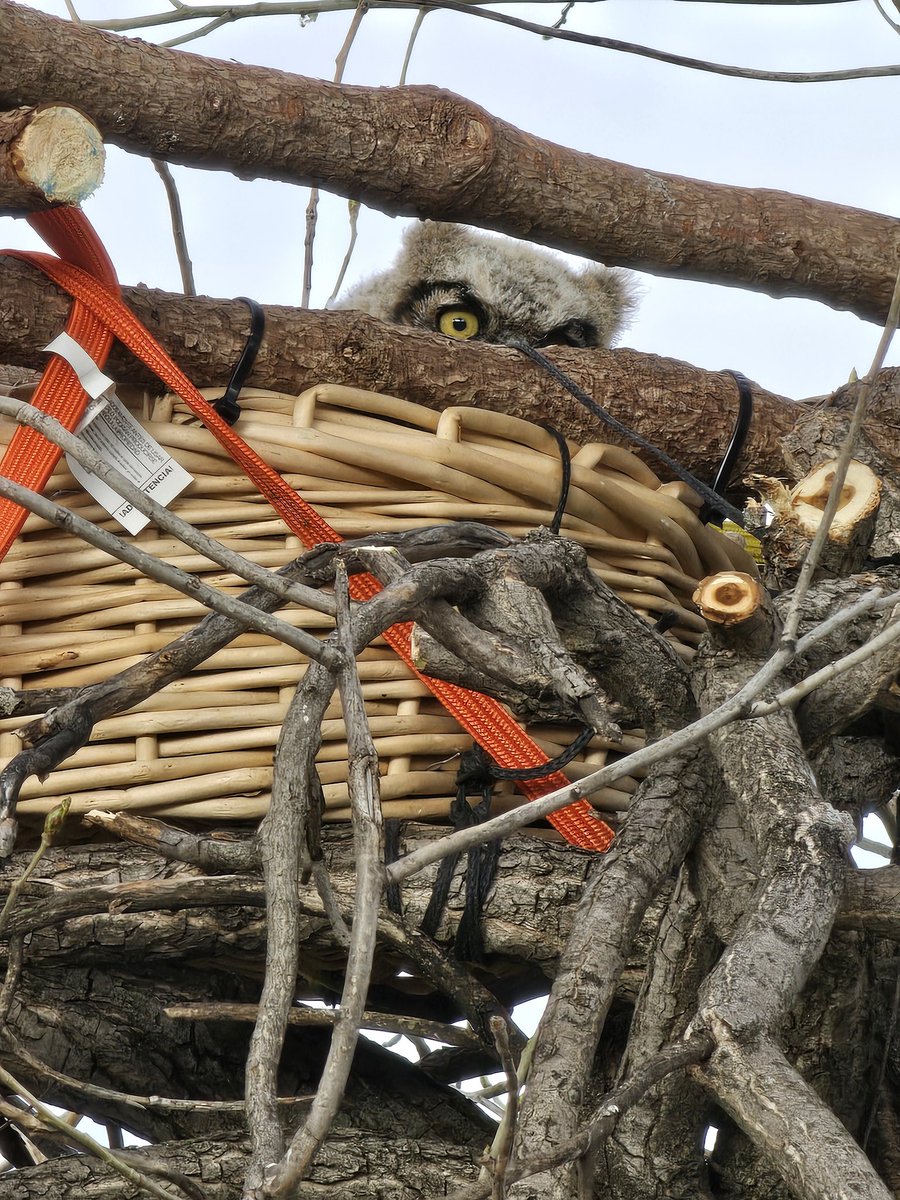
{"type": "Point", "coordinates": [362, 762]}
{"type": "Point", "coordinates": [312, 207]}
{"type": "Point", "coordinates": [804, 581]}
{"type": "Point", "coordinates": [52, 824]}
{"type": "Point", "coordinates": [177, 217]}
{"type": "Point", "coordinates": [164, 572]}
{"type": "Point", "coordinates": [402, 1026]}
{"type": "Point", "coordinates": [48, 1117]}
{"type": "Point", "coordinates": [414, 33]}
{"type": "Point", "coordinates": [25, 414]}
{"type": "Point", "coordinates": [545, 31]}
{"type": "Point", "coordinates": [503, 1143]}
{"type": "Point", "coordinates": [607, 1115]}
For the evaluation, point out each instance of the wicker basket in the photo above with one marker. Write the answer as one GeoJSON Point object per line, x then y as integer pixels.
{"type": "Point", "coordinates": [202, 747]}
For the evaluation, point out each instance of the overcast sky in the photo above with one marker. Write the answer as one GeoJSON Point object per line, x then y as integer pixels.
{"type": "Point", "coordinates": [834, 141]}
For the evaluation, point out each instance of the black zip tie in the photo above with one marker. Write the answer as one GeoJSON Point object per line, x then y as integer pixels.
{"type": "Point", "coordinates": [666, 620]}
{"type": "Point", "coordinates": [566, 482]}
{"type": "Point", "coordinates": [227, 405]}
{"type": "Point", "coordinates": [547, 768]}
{"type": "Point", "coordinates": [738, 434]}
{"type": "Point", "coordinates": [718, 508]}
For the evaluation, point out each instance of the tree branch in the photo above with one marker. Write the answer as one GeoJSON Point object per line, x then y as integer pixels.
{"type": "Point", "coordinates": [382, 146]}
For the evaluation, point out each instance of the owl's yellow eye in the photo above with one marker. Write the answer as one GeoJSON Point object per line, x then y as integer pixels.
{"type": "Point", "coordinates": [457, 323]}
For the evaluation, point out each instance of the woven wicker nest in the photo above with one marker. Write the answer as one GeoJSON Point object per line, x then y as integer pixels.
{"type": "Point", "coordinates": [202, 748]}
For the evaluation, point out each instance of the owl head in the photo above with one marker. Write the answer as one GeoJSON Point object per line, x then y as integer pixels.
{"type": "Point", "coordinates": [465, 284]}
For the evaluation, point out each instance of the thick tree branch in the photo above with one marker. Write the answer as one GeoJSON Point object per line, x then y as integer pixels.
{"type": "Point", "coordinates": [421, 151]}
{"type": "Point", "coordinates": [685, 411]}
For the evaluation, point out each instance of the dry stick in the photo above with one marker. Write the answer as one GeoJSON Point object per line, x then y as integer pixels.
{"type": "Point", "coordinates": [282, 835]}
{"type": "Point", "coordinates": [152, 1103]}
{"type": "Point", "coordinates": [26, 414]}
{"type": "Point", "coordinates": [177, 217]}
{"type": "Point", "coordinates": [48, 1117]}
{"type": "Point", "coordinates": [791, 696]}
{"type": "Point", "coordinates": [503, 1143]}
{"type": "Point", "coordinates": [368, 839]}
{"type": "Point", "coordinates": [411, 1027]}
{"type": "Point", "coordinates": [414, 33]}
{"type": "Point", "coordinates": [353, 222]}
{"type": "Point", "coordinates": [52, 824]}
{"type": "Point", "coordinates": [314, 7]}
{"type": "Point", "coordinates": [163, 572]}
{"type": "Point", "coordinates": [730, 710]}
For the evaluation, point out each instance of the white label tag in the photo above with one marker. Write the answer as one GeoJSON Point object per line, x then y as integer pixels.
{"type": "Point", "coordinates": [112, 432]}
{"type": "Point", "coordinates": [117, 437]}
{"type": "Point", "coordinates": [91, 378]}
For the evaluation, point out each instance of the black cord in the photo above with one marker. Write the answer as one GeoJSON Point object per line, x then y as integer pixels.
{"type": "Point", "coordinates": [566, 483]}
{"type": "Point", "coordinates": [227, 405]}
{"type": "Point", "coordinates": [717, 506]}
{"type": "Point", "coordinates": [542, 769]}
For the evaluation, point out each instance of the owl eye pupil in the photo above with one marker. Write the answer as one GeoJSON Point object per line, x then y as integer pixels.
{"type": "Point", "coordinates": [457, 323]}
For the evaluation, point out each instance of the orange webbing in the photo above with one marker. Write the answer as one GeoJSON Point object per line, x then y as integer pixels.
{"type": "Point", "coordinates": [30, 458]}
{"type": "Point", "coordinates": [484, 719]}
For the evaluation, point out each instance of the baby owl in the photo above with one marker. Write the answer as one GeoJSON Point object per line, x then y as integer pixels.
{"type": "Point", "coordinates": [466, 284]}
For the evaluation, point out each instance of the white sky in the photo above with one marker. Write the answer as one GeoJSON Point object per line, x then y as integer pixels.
{"type": "Point", "coordinates": [832, 141]}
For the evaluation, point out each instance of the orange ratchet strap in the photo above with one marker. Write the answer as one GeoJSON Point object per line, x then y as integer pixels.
{"type": "Point", "coordinates": [85, 272]}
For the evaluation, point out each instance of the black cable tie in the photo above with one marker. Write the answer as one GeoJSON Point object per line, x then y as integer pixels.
{"type": "Point", "coordinates": [227, 405]}
{"type": "Point", "coordinates": [738, 434]}
{"type": "Point", "coordinates": [566, 482]}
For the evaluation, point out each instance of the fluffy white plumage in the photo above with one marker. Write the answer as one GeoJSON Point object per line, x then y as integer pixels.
{"type": "Point", "coordinates": [468, 284]}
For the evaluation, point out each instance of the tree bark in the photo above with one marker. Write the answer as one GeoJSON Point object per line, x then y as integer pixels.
{"type": "Point", "coordinates": [420, 151]}
{"type": "Point", "coordinates": [687, 412]}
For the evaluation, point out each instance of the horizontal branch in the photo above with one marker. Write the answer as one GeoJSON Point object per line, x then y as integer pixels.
{"type": "Point", "coordinates": [420, 151]}
{"type": "Point", "coordinates": [684, 410]}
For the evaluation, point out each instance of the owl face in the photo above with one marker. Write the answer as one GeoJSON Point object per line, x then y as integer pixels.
{"type": "Point", "coordinates": [467, 285]}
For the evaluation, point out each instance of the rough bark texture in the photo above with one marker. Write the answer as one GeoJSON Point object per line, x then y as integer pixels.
{"type": "Point", "coordinates": [711, 919]}
{"type": "Point", "coordinates": [421, 151]}
{"type": "Point", "coordinates": [684, 410]}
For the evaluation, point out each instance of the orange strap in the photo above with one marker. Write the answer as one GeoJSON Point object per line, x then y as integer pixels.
{"type": "Point", "coordinates": [84, 271]}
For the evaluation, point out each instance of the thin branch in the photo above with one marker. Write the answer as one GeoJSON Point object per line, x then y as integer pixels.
{"type": "Point", "coordinates": [365, 803]}
{"type": "Point", "coordinates": [314, 7]}
{"type": "Point", "coordinates": [503, 1143]}
{"type": "Point", "coordinates": [49, 1118]}
{"type": "Point", "coordinates": [606, 1116]}
{"type": "Point", "coordinates": [792, 696]}
{"type": "Point", "coordinates": [414, 33]}
{"type": "Point", "coordinates": [308, 597]}
{"type": "Point", "coordinates": [177, 218]}
{"type": "Point", "coordinates": [353, 225]}
{"type": "Point", "coordinates": [164, 572]}
{"type": "Point", "coordinates": [730, 710]}
{"type": "Point", "coordinates": [94, 1091]}
{"type": "Point", "coordinates": [890, 20]}
{"type": "Point", "coordinates": [312, 207]}
{"type": "Point", "coordinates": [402, 1026]}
